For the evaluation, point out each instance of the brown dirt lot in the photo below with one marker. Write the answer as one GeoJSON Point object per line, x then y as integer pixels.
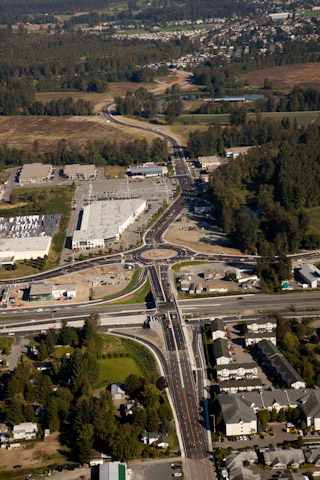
{"type": "Point", "coordinates": [205, 238]}
{"type": "Point", "coordinates": [21, 132]}
{"type": "Point", "coordinates": [43, 453]}
{"type": "Point", "coordinates": [302, 74]}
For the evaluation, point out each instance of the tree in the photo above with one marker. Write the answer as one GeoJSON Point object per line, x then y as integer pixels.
{"type": "Point", "coordinates": [150, 396]}
{"type": "Point", "coordinates": [274, 415]}
{"type": "Point", "coordinates": [281, 416]}
{"type": "Point", "coordinates": [263, 417]}
{"type": "Point", "coordinates": [43, 352]}
{"type": "Point", "coordinates": [83, 443]}
{"type": "Point", "coordinates": [161, 383]}
{"type": "Point", "coordinates": [133, 385]}
{"type": "Point", "coordinates": [125, 445]}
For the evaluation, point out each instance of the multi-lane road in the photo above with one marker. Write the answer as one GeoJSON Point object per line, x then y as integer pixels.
{"type": "Point", "coordinates": [182, 361]}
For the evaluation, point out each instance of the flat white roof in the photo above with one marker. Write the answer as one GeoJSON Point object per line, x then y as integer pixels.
{"type": "Point", "coordinates": [214, 159]}
{"type": "Point", "coordinates": [102, 220]}
{"type": "Point", "coordinates": [10, 246]}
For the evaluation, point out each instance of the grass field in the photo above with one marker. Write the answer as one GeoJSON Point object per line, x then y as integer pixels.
{"type": "Point", "coordinates": [113, 370]}
{"type": "Point", "coordinates": [142, 295]}
{"type": "Point", "coordinates": [60, 351]}
{"type": "Point", "coordinates": [302, 74]}
{"type": "Point", "coordinates": [178, 266]}
{"type": "Point", "coordinates": [314, 215]}
{"type": "Point", "coordinates": [5, 342]}
{"type": "Point", "coordinates": [114, 171]}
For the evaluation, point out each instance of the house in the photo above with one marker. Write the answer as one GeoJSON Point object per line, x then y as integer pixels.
{"type": "Point", "coordinates": [149, 438]}
{"type": "Point", "coordinates": [217, 329]}
{"type": "Point", "coordinates": [112, 471]}
{"type": "Point", "coordinates": [221, 351]}
{"type": "Point", "coordinates": [243, 473]}
{"type": "Point", "coordinates": [80, 172]}
{"type": "Point", "coordinates": [278, 458]}
{"type": "Point", "coordinates": [235, 386]}
{"type": "Point", "coordinates": [280, 365]}
{"type": "Point", "coordinates": [3, 432]}
{"type": "Point", "coordinates": [237, 415]}
{"type": "Point", "coordinates": [42, 366]}
{"type": "Point", "coordinates": [199, 288]}
{"type": "Point", "coordinates": [292, 476]}
{"type": "Point", "coordinates": [312, 455]}
{"type": "Point", "coordinates": [192, 289]}
{"type": "Point", "coordinates": [35, 173]}
{"type": "Point", "coordinates": [117, 391]}
{"type": "Point", "coordinates": [236, 459]}
{"type": "Point", "coordinates": [310, 274]}
{"type": "Point", "coordinates": [237, 371]}
{"type": "Point", "coordinates": [184, 282]}
{"type": "Point", "coordinates": [163, 440]}
{"type": "Point", "coordinates": [256, 337]}
{"type": "Point", "coordinates": [128, 407]}
{"type": "Point", "coordinates": [310, 407]}
{"type": "Point", "coordinates": [25, 431]}
{"type": "Point", "coordinates": [221, 288]}
{"type": "Point", "coordinates": [261, 325]}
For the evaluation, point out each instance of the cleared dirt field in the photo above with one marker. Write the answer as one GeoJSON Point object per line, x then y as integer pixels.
{"type": "Point", "coordinates": [42, 453]}
{"type": "Point", "coordinates": [302, 74]}
{"type": "Point", "coordinates": [200, 235]}
{"type": "Point", "coordinates": [21, 132]}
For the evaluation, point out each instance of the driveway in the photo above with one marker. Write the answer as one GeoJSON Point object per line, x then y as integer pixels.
{"type": "Point", "coordinates": [19, 347]}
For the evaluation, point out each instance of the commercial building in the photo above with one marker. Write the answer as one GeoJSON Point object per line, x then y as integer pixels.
{"type": "Point", "coordinates": [152, 171]}
{"type": "Point", "coordinates": [26, 431]}
{"type": "Point", "coordinates": [256, 337]}
{"type": "Point", "coordinates": [103, 222]}
{"type": "Point", "coordinates": [48, 291]}
{"type": "Point", "coordinates": [112, 471]}
{"type": "Point", "coordinates": [236, 151]}
{"type": "Point", "coordinates": [209, 163]}
{"type": "Point", "coordinates": [35, 173]}
{"type": "Point", "coordinates": [221, 351]}
{"type": "Point", "coordinates": [80, 172]}
{"type": "Point", "coordinates": [279, 16]}
{"type": "Point", "coordinates": [280, 365]}
{"type": "Point", "coordinates": [310, 274]}
{"type": "Point", "coordinates": [23, 248]}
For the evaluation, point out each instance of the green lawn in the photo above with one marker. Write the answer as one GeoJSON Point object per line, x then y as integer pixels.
{"type": "Point", "coordinates": [116, 370]}
{"type": "Point", "coordinates": [60, 351]}
{"type": "Point", "coordinates": [177, 266]}
{"type": "Point", "coordinates": [5, 342]}
{"type": "Point", "coordinates": [314, 215]}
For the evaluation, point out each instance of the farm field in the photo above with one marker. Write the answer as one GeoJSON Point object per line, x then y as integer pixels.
{"type": "Point", "coordinates": [301, 74]}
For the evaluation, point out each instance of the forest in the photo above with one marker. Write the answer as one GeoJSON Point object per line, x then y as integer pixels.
{"type": "Point", "coordinates": [98, 152]}
{"type": "Point", "coordinates": [260, 199]}
{"type": "Point", "coordinates": [85, 422]}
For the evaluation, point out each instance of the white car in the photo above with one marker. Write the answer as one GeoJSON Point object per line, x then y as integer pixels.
{"type": "Point", "coordinates": [177, 474]}
{"type": "Point", "coordinates": [11, 334]}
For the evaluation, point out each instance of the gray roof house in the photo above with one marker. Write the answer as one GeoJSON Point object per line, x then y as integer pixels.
{"type": "Point", "coordinates": [117, 391]}
{"type": "Point", "coordinates": [243, 473]}
{"type": "Point", "coordinates": [312, 455]}
{"type": "Point", "coordinates": [310, 406]}
{"type": "Point", "coordinates": [221, 351]}
{"type": "Point", "coordinates": [292, 476]}
{"type": "Point", "coordinates": [217, 328]}
{"type": "Point", "coordinates": [238, 416]}
{"type": "Point", "coordinates": [235, 460]}
{"type": "Point", "coordinates": [279, 458]}
{"type": "Point", "coordinates": [284, 370]}
{"type": "Point", "coordinates": [237, 371]}
{"type": "Point", "coordinates": [235, 386]}
{"type": "Point", "coordinates": [251, 338]}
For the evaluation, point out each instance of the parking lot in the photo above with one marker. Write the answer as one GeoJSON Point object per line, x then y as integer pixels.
{"type": "Point", "coordinates": [156, 470]}
{"type": "Point", "coordinates": [154, 190]}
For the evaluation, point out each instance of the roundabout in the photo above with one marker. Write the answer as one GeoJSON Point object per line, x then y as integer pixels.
{"type": "Point", "coordinates": [159, 254]}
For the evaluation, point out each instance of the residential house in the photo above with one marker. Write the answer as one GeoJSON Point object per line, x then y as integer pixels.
{"type": "Point", "coordinates": [236, 459]}
{"type": "Point", "coordinates": [255, 337]}
{"type": "Point", "coordinates": [292, 476]}
{"type": "Point", "coordinates": [220, 288]}
{"type": "Point", "coordinates": [149, 438]}
{"type": "Point", "coordinates": [163, 440]}
{"type": "Point", "coordinates": [26, 431]}
{"type": "Point", "coordinates": [278, 458]}
{"type": "Point", "coordinates": [117, 391]}
{"type": "Point", "coordinates": [237, 415]}
{"type": "Point", "coordinates": [217, 329]}
{"type": "Point", "coordinates": [42, 366]}
{"type": "Point", "coordinates": [221, 351]}
{"type": "Point", "coordinates": [184, 282]}
{"type": "Point", "coordinates": [237, 371]}
{"type": "Point", "coordinates": [243, 473]}
{"type": "Point", "coordinates": [128, 407]}
{"type": "Point", "coordinates": [312, 455]}
{"type": "Point", "coordinates": [235, 386]}
{"type": "Point", "coordinates": [3, 432]}
{"type": "Point", "coordinates": [192, 289]}
{"type": "Point", "coordinates": [261, 325]}
{"type": "Point", "coordinates": [280, 365]}
{"type": "Point", "coordinates": [199, 288]}
{"type": "Point", "coordinates": [310, 407]}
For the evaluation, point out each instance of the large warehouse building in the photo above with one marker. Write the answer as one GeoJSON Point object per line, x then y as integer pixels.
{"type": "Point", "coordinates": [103, 222]}
{"type": "Point", "coordinates": [13, 249]}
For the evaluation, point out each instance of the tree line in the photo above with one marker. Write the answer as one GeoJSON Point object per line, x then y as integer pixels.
{"type": "Point", "coordinates": [85, 422]}
{"type": "Point", "coordinates": [19, 99]}
{"type": "Point", "coordinates": [98, 152]}
{"type": "Point", "coordinates": [260, 199]}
